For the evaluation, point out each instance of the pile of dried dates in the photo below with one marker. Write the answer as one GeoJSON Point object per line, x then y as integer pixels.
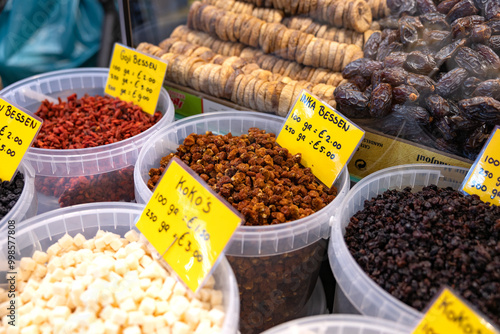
{"type": "Point", "coordinates": [432, 75]}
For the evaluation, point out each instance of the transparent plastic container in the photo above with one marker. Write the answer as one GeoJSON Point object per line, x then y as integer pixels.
{"type": "Point", "coordinates": [340, 324]}
{"type": "Point", "coordinates": [39, 232]}
{"type": "Point", "coordinates": [316, 305]}
{"type": "Point", "coordinates": [276, 266]}
{"type": "Point", "coordinates": [26, 205]}
{"type": "Point", "coordinates": [355, 291]}
{"type": "Point", "coordinates": [76, 176]}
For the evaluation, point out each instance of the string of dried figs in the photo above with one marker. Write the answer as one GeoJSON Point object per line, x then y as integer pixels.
{"type": "Point", "coordinates": [413, 243]}
{"type": "Point", "coordinates": [265, 14]}
{"type": "Point", "coordinates": [272, 37]}
{"type": "Point", "coordinates": [437, 70]}
{"type": "Point", "coordinates": [259, 178]}
{"type": "Point", "coordinates": [268, 62]}
{"type": "Point", "coordinates": [340, 35]}
{"type": "Point", "coordinates": [379, 8]}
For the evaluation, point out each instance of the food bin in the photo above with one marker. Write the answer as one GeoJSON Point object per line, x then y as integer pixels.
{"type": "Point", "coordinates": [340, 324]}
{"type": "Point", "coordinates": [276, 266]}
{"type": "Point", "coordinates": [356, 292]}
{"type": "Point", "coordinates": [316, 305]}
{"type": "Point", "coordinates": [40, 232]}
{"type": "Point", "coordinates": [26, 205]}
{"type": "Point", "coordinates": [75, 176]}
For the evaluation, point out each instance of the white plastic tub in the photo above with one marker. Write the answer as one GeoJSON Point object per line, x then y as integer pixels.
{"type": "Point", "coordinates": [340, 324]}
{"type": "Point", "coordinates": [26, 205]}
{"type": "Point", "coordinates": [106, 169]}
{"type": "Point", "coordinates": [355, 291]}
{"type": "Point", "coordinates": [276, 266]}
{"type": "Point", "coordinates": [39, 232]}
{"type": "Point", "coordinates": [316, 305]}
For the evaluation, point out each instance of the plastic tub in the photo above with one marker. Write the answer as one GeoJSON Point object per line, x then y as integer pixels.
{"type": "Point", "coordinates": [276, 266]}
{"type": "Point", "coordinates": [39, 232]}
{"type": "Point", "coordinates": [355, 291]}
{"type": "Point", "coordinates": [316, 305]}
{"type": "Point", "coordinates": [107, 170]}
{"type": "Point", "coordinates": [340, 324]}
{"type": "Point", "coordinates": [26, 205]}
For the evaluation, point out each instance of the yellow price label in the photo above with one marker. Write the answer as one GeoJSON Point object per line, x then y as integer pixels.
{"type": "Point", "coordinates": [18, 129]}
{"type": "Point", "coordinates": [483, 178]}
{"type": "Point", "coordinates": [188, 224]}
{"type": "Point", "coordinates": [449, 314]}
{"type": "Point", "coordinates": [326, 139]}
{"type": "Point", "coordinates": [135, 77]}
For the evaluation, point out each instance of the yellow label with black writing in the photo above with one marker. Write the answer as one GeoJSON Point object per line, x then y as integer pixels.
{"type": "Point", "coordinates": [135, 77]}
{"type": "Point", "coordinates": [325, 138]}
{"type": "Point", "coordinates": [449, 314]}
{"type": "Point", "coordinates": [18, 129]}
{"type": "Point", "coordinates": [188, 223]}
{"type": "Point", "coordinates": [484, 177]}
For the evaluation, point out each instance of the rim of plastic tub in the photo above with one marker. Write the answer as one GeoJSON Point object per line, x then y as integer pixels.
{"type": "Point", "coordinates": [54, 223]}
{"type": "Point", "coordinates": [26, 203]}
{"type": "Point", "coordinates": [340, 323]}
{"type": "Point", "coordinates": [387, 307]}
{"type": "Point", "coordinates": [303, 231]}
{"type": "Point", "coordinates": [76, 76]}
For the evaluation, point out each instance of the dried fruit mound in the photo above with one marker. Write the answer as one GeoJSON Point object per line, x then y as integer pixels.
{"type": "Point", "coordinates": [10, 193]}
{"type": "Point", "coordinates": [89, 122]}
{"type": "Point", "coordinates": [260, 179]}
{"type": "Point", "coordinates": [411, 244]}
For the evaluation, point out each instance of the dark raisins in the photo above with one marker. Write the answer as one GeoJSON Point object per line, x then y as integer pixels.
{"type": "Point", "coordinates": [437, 106]}
{"type": "Point", "coordinates": [492, 9]}
{"type": "Point", "coordinates": [395, 59]}
{"type": "Point", "coordinates": [480, 33]}
{"type": "Point", "coordinates": [444, 129]}
{"type": "Point", "coordinates": [419, 114]}
{"type": "Point", "coordinates": [372, 44]}
{"type": "Point", "coordinates": [399, 7]}
{"type": "Point", "coordinates": [445, 6]}
{"type": "Point", "coordinates": [462, 27]}
{"type": "Point", "coordinates": [482, 108]}
{"type": "Point", "coordinates": [381, 100]}
{"type": "Point", "coordinates": [409, 34]}
{"type": "Point", "coordinates": [384, 51]}
{"type": "Point", "coordinates": [462, 9]}
{"type": "Point", "coordinates": [451, 82]}
{"type": "Point", "coordinates": [426, 6]}
{"type": "Point", "coordinates": [420, 63]}
{"type": "Point", "coordinates": [490, 57]}
{"type": "Point", "coordinates": [352, 103]}
{"type": "Point", "coordinates": [476, 141]}
{"type": "Point", "coordinates": [494, 24]}
{"type": "Point", "coordinates": [489, 88]}
{"type": "Point", "coordinates": [436, 39]}
{"type": "Point", "coordinates": [494, 43]}
{"type": "Point", "coordinates": [360, 81]}
{"type": "Point", "coordinates": [422, 83]}
{"type": "Point", "coordinates": [471, 61]}
{"type": "Point", "coordinates": [363, 66]}
{"type": "Point", "coordinates": [434, 21]}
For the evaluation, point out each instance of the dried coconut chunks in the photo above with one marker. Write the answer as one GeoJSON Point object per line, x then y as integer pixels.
{"type": "Point", "coordinates": [341, 35]}
{"type": "Point", "coordinates": [265, 14]}
{"type": "Point", "coordinates": [350, 14]}
{"type": "Point", "coordinates": [272, 37]}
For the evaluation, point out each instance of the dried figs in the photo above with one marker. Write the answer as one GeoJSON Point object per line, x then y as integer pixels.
{"type": "Point", "coordinates": [381, 100]}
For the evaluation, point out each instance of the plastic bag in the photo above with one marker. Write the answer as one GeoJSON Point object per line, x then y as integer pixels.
{"type": "Point", "coordinates": [38, 36]}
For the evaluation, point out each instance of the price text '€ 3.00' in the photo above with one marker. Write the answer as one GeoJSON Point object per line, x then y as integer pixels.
{"type": "Point", "coordinates": [18, 129]}
{"type": "Point", "coordinates": [483, 178]}
{"type": "Point", "coordinates": [135, 77]}
{"type": "Point", "coordinates": [187, 223]}
{"type": "Point", "coordinates": [325, 138]}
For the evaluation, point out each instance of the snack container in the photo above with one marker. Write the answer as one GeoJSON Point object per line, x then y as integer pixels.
{"type": "Point", "coordinates": [75, 176]}
{"type": "Point", "coordinates": [26, 205]}
{"type": "Point", "coordinates": [316, 305]}
{"type": "Point", "coordinates": [356, 292]}
{"type": "Point", "coordinates": [340, 324]}
{"type": "Point", "coordinates": [40, 232]}
{"type": "Point", "coordinates": [276, 266]}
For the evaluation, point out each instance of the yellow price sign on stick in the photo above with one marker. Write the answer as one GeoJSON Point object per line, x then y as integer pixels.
{"type": "Point", "coordinates": [18, 129]}
{"type": "Point", "coordinates": [135, 77]}
{"type": "Point", "coordinates": [483, 178]}
{"type": "Point", "coordinates": [326, 139]}
{"type": "Point", "coordinates": [449, 314]}
{"type": "Point", "coordinates": [188, 224]}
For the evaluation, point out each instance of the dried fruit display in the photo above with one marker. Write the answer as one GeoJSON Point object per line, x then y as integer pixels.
{"type": "Point", "coordinates": [443, 59]}
{"type": "Point", "coordinates": [268, 186]}
{"type": "Point", "coordinates": [10, 193]}
{"type": "Point", "coordinates": [413, 243]}
{"type": "Point", "coordinates": [266, 14]}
